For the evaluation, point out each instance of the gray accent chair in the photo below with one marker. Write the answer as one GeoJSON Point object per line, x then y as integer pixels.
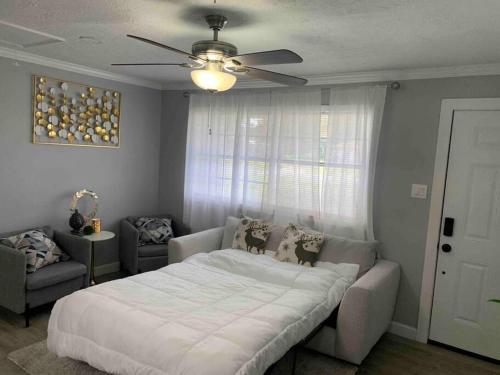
{"type": "Point", "coordinates": [366, 309]}
{"type": "Point", "coordinates": [20, 292]}
{"type": "Point", "coordinates": [136, 259]}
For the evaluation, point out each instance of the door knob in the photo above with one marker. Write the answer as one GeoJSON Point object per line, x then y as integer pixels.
{"type": "Point", "coordinates": [446, 248]}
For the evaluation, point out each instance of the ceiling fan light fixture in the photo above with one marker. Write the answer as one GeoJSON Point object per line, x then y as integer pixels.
{"type": "Point", "coordinates": [217, 63]}
{"type": "Point", "coordinates": [213, 79]}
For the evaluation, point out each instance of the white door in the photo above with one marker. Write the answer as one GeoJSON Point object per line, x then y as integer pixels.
{"type": "Point", "coordinates": [468, 269]}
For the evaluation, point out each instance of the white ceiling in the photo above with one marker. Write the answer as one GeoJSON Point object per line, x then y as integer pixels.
{"type": "Point", "coordinates": [333, 36]}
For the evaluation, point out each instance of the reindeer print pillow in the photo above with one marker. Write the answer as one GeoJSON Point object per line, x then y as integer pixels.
{"type": "Point", "coordinates": [300, 246]}
{"type": "Point", "coordinates": [251, 235]}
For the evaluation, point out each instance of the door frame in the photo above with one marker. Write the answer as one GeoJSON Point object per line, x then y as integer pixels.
{"type": "Point", "coordinates": [448, 107]}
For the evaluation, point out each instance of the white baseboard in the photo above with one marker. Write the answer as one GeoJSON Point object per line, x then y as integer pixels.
{"type": "Point", "coordinates": [403, 330]}
{"type": "Point", "coordinates": [107, 268]}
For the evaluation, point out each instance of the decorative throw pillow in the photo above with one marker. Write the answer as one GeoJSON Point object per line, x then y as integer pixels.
{"type": "Point", "coordinates": [39, 249]}
{"type": "Point", "coordinates": [154, 230]}
{"type": "Point", "coordinates": [251, 235]}
{"type": "Point", "coordinates": [300, 245]}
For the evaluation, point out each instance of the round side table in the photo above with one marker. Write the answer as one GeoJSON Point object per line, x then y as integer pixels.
{"type": "Point", "coordinates": [95, 237]}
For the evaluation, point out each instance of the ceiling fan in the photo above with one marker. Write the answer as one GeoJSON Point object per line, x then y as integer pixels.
{"type": "Point", "coordinates": [216, 63]}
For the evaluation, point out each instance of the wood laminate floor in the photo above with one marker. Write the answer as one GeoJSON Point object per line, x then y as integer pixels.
{"type": "Point", "coordinates": [393, 355]}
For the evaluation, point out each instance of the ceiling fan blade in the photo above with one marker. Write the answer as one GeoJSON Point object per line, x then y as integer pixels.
{"type": "Point", "coordinates": [164, 46]}
{"type": "Point", "coordinates": [279, 56]}
{"type": "Point", "coordinates": [267, 75]}
{"type": "Point", "coordinates": [152, 64]}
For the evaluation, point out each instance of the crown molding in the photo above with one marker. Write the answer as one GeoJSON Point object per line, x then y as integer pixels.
{"type": "Point", "coordinates": [391, 75]}
{"type": "Point", "coordinates": [76, 68]}
{"type": "Point", "coordinates": [370, 76]}
{"type": "Point", "coordinates": [313, 80]}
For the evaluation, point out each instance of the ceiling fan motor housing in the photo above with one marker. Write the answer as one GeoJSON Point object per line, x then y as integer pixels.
{"type": "Point", "coordinates": [214, 50]}
{"type": "Point", "coordinates": [204, 47]}
{"type": "Point", "coordinates": [216, 21]}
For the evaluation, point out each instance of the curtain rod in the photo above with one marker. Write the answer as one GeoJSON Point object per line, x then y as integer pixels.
{"type": "Point", "coordinates": [394, 85]}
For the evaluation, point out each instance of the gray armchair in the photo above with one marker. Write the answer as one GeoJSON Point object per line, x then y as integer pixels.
{"type": "Point", "coordinates": [136, 259]}
{"type": "Point", "coordinates": [19, 292]}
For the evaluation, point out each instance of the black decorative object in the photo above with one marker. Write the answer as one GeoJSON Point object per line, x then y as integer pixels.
{"type": "Point", "coordinates": [88, 230]}
{"type": "Point", "coordinates": [76, 221]}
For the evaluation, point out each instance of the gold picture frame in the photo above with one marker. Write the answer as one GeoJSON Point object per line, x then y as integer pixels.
{"type": "Point", "coordinates": [67, 113]}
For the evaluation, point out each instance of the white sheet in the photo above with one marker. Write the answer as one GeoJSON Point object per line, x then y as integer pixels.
{"type": "Point", "coordinates": [224, 312]}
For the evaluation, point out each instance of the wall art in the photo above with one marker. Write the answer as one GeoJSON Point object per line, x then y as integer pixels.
{"type": "Point", "coordinates": [70, 113]}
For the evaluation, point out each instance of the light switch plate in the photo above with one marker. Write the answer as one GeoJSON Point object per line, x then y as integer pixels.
{"type": "Point", "coordinates": [419, 191]}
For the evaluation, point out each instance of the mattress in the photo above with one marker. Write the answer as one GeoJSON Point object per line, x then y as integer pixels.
{"type": "Point", "coordinates": [223, 312]}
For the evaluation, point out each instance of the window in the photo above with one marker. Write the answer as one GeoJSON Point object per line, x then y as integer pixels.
{"type": "Point", "coordinates": [281, 152]}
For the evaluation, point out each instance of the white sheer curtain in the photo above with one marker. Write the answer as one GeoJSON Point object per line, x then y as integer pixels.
{"type": "Point", "coordinates": [224, 146]}
{"type": "Point", "coordinates": [282, 152]}
{"type": "Point", "coordinates": [354, 121]}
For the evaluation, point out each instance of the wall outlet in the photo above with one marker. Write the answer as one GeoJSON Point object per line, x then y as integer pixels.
{"type": "Point", "coordinates": [419, 191]}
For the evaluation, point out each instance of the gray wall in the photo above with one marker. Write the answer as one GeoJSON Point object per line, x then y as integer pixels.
{"type": "Point", "coordinates": [37, 181]}
{"type": "Point", "coordinates": [175, 109]}
{"type": "Point", "coordinates": [406, 155]}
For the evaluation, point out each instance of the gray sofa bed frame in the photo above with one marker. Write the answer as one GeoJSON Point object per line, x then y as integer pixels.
{"type": "Point", "coordinates": [363, 315]}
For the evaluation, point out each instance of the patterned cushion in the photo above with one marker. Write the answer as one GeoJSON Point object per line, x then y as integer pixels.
{"type": "Point", "coordinates": [251, 235]}
{"type": "Point", "coordinates": [300, 245]}
{"type": "Point", "coordinates": [39, 249]}
{"type": "Point", "coordinates": [154, 230]}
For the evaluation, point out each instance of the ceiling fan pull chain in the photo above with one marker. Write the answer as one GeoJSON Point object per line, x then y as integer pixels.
{"type": "Point", "coordinates": [210, 100]}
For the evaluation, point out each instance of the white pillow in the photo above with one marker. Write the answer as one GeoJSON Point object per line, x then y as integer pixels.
{"type": "Point", "coordinates": [229, 230]}
{"type": "Point", "coordinates": [344, 267]}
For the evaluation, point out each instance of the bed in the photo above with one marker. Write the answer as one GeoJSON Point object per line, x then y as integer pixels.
{"type": "Point", "coordinates": [223, 312]}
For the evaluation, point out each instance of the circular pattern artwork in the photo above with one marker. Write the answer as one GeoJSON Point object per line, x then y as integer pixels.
{"type": "Point", "coordinates": [71, 113]}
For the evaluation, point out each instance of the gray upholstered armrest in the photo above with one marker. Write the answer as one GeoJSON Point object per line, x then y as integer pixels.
{"type": "Point", "coordinates": [366, 311]}
{"type": "Point", "coordinates": [180, 229]}
{"type": "Point", "coordinates": [12, 279]}
{"type": "Point", "coordinates": [129, 237]}
{"type": "Point", "coordinates": [76, 247]}
{"type": "Point", "coordinates": [202, 242]}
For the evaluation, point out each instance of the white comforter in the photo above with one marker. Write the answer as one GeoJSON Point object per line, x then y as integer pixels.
{"type": "Point", "coordinates": [225, 312]}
